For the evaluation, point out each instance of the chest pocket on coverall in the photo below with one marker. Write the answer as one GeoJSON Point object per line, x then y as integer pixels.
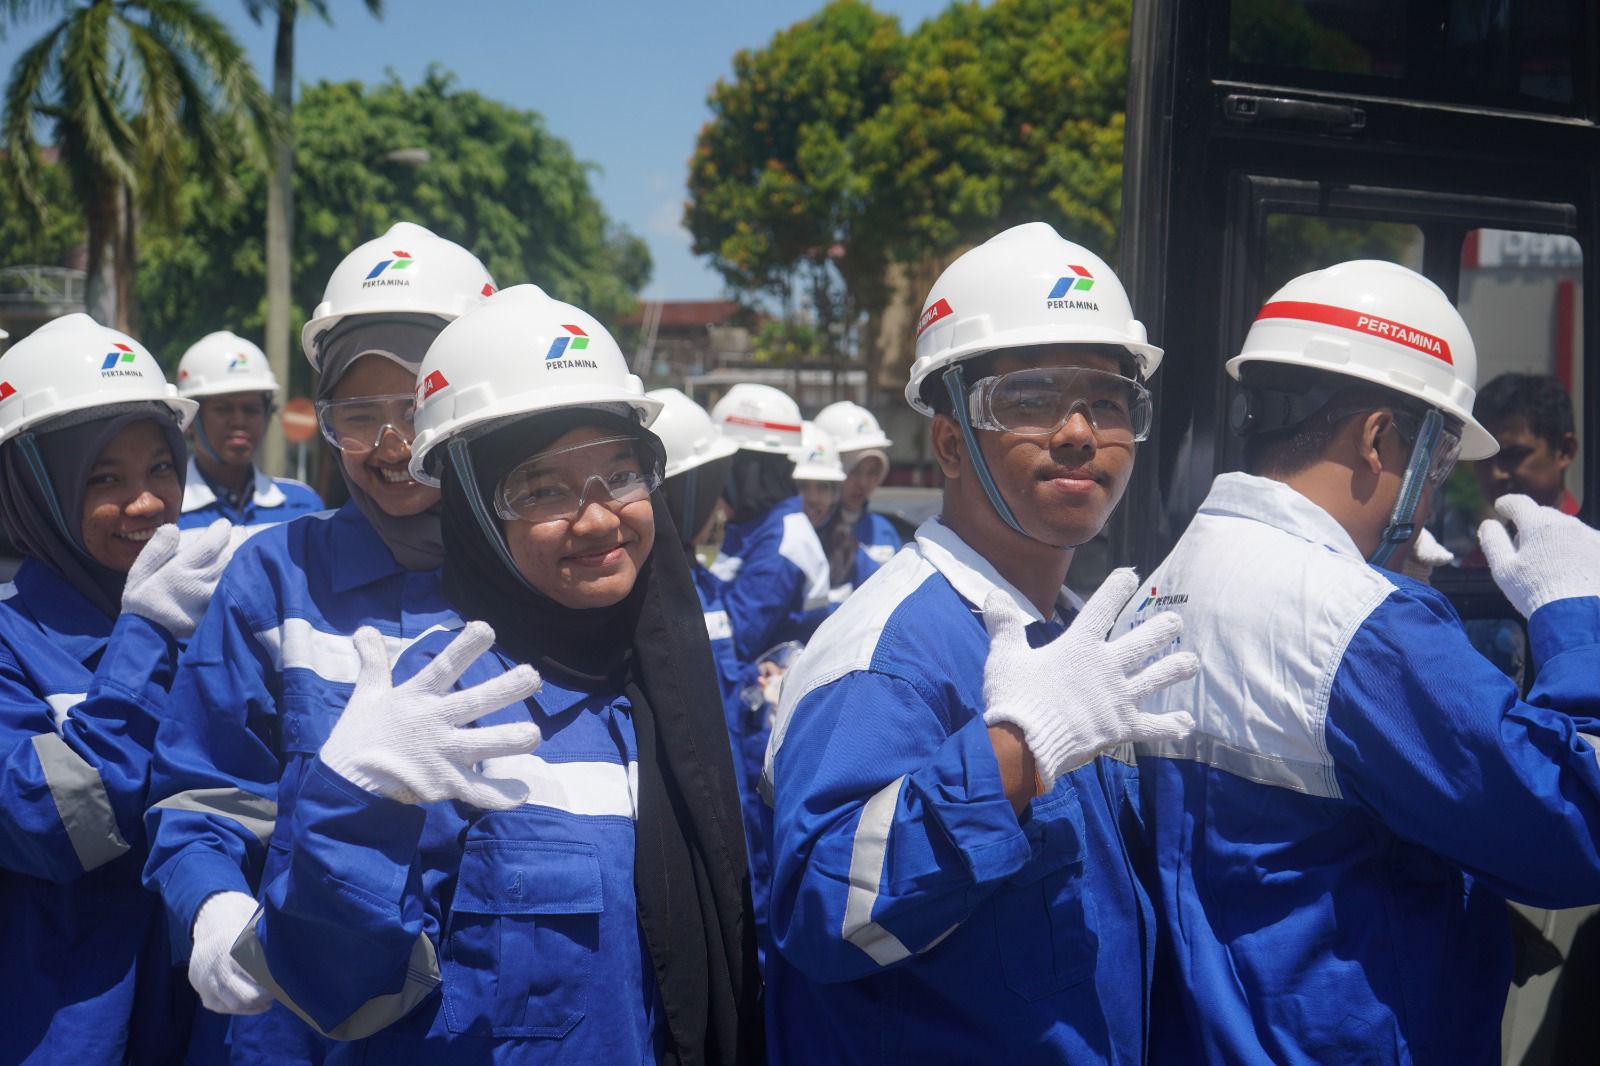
{"type": "Point", "coordinates": [521, 940]}
{"type": "Point", "coordinates": [1044, 941]}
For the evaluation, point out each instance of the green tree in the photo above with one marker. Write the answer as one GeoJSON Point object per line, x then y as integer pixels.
{"type": "Point", "coordinates": [777, 196]}
{"type": "Point", "coordinates": [496, 180]}
{"type": "Point", "coordinates": [140, 95]}
{"type": "Point", "coordinates": [1005, 114]}
{"type": "Point", "coordinates": [47, 238]}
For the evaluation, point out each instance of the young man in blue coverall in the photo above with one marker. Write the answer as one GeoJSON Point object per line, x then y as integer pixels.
{"type": "Point", "coordinates": [1335, 842]}
{"type": "Point", "coordinates": [950, 882]}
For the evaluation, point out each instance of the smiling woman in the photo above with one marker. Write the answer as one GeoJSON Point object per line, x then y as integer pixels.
{"type": "Point", "coordinates": [584, 902]}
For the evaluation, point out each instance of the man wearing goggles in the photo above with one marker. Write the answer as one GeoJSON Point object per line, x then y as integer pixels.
{"type": "Point", "coordinates": [1372, 788]}
{"type": "Point", "coordinates": [947, 810]}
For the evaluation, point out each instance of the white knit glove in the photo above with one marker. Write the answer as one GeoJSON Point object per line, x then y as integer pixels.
{"type": "Point", "coordinates": [172, 580]}
{"type": "Point", "coordinates": [1425, 554]}
{"type": "Point", "coordinates": [1555, 556]}
{"type": "Point", "coordinates": [414, 744]}
{"type": "Point", "coordinates": [1079, 694]}
{"type": "Point", "coordinates": [223, 984]}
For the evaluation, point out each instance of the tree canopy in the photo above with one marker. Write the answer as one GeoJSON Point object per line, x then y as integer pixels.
{"type": "Point", "coordinates": [495, 180]}
{"type": "Point", "coordinates": [846, 142]}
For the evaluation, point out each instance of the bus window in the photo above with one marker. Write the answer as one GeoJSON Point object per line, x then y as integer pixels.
{"type": "Point", "coordinates": [1295, 244]}
{"type": "Point", "coordinates": [1492, 52]}
{"type": "Point", "coordinates": [1521, 295]}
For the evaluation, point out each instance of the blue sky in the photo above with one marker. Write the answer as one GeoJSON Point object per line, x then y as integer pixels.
{"type": "Point", "coordinates": [623, 81]}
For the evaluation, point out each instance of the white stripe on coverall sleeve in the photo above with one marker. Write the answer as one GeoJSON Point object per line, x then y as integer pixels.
{"type": "Point", "coordinates": [867, 859]}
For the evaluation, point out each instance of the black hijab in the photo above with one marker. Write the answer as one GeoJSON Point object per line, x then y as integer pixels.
{"type": "Point", "coordinates": [692, 495]}
{"type": "Point", "coordinates": [44, 476]}
{"type": "Point", "coordinates": [414, 540]}
{"type": "Point", "coordinates": [758, 482]}
{"type": "Point", "coordinates": [690, 875]}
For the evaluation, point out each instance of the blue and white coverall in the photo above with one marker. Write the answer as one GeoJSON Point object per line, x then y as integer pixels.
{"type": "Point", "coordinates": [80, 696]}
{"type": "Point", "coordinates": [457, 935]}
{"type": "Point", "coordinates": [877, 537]}
{"type": "Point", "coordinates": [917, 917]}
{"type": "Point", "coordinates": [259, 687]}
{"type": "Point", "coordinates": [273, 500]}
{"type": "Point", "coordinates": [775, 577]}
{"type": "Point", "coordinates": [1334, 845]}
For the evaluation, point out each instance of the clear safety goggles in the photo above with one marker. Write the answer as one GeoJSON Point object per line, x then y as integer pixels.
{"type": "Point", "coordinates": [1445, 451]}
{"type": "Point", "coordinates": [1042, 400]}
{"type": "Point", "coordinates": [558, 485]}
{"type": "Point", "coordinates": [357, 425]}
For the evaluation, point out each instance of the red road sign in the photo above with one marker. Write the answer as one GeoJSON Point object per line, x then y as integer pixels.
{"type": "Point", "coordinates": [299, 420]}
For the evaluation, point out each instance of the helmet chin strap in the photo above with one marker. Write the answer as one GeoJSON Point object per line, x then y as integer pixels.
{"type": "Point", "coordinates": [955, 384]}
{"type": "Point", "coordinates": [1401, 528]}
{"type": "Point", "coordinates": [461, 463]}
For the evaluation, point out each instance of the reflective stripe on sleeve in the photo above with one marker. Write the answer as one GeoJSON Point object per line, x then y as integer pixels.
{"type": "Point", "coordinates": [867, 858]}
{"type": "Point", "coordinates": [422, 977]}
{"type": "Point", "coordinates": [257, 814]}
{"type": "Point", "coordinates": [81, 801]}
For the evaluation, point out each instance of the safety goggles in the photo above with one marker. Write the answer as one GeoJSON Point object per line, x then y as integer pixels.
{"type": "Point", "coordinates": [558, 485]}
{"type": "Point", "coordinates": [357, 425]}
{"type": "Point", "coordinates": [1040, 401]}
{"type": "Point", "coordinates": [1446, 450]}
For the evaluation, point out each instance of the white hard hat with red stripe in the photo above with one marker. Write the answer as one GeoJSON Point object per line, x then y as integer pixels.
{"type": "Point", "coordinates": [1383, 324]}
{"type": "Point", "coordinates": [760, 418]}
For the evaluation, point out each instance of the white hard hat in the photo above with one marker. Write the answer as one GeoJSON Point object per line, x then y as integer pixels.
{"type": "Point", "coordinates": [221, 363]}
{"type": "Point", "coordinates": [687, 432]}
{"type": "Point", "coordinates": [760, 418]}
{"type": "Point", "coordinates": [73, 364]}
{"type": "Point", "coordinates": [409, 270]}
{"type": "Point", "coordinates": [853, 427]}
{"type": "Point", "coordinates": [1025, 286]}
{"type": "Point", "coordinates": [819, 461]}
{"type": "Point", "coordinates": [518, 353]}
{"type": "Point", "coordinates": [1381, 323]}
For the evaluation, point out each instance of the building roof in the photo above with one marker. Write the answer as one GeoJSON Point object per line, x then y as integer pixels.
{"type": "Point", "coordinates": [686, 314]}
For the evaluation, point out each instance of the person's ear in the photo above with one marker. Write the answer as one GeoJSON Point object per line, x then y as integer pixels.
{"type": "Point", "coordinates": [1567, 450]}
{"type": "Point", "coordinates": [948, 447]}
{"type": "Point", "coordinates": [1369, 440]}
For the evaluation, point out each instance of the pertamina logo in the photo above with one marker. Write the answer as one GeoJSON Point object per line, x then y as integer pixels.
{"type": "Point", "coordinates": [1155, 599]}
{"type": "Point", "coordinates": [119, 364]}
{"type": "Point", "coordinates": [238, 363]}
{"type": "Point", "coordinates": [7, 390]}
{"type": "Point", "coordinates": [559, 356]}
{"type": "Point", "coordinates": [432, 384]}
{"type": "Point", "coordinates": [1063, 295]}
{"type": "Point", "coordinates": [385, 272]}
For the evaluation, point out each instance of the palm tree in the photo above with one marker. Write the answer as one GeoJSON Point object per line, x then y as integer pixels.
{"type": "Point", "coordinates": [136, 93]}
{"type": "Point", "coordinates": [280, 190]}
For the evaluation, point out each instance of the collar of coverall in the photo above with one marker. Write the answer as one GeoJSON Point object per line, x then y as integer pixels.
{"type": "Point", "coordinates": [1276, 504]}
{"type": "Point", "coordinates": [974, 577]}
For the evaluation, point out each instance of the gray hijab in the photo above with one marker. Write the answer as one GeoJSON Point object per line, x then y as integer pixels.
{"type": "Point", "coordinates": [44, 476]}
{"type": "Point", "coordinates": [415, 540]}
